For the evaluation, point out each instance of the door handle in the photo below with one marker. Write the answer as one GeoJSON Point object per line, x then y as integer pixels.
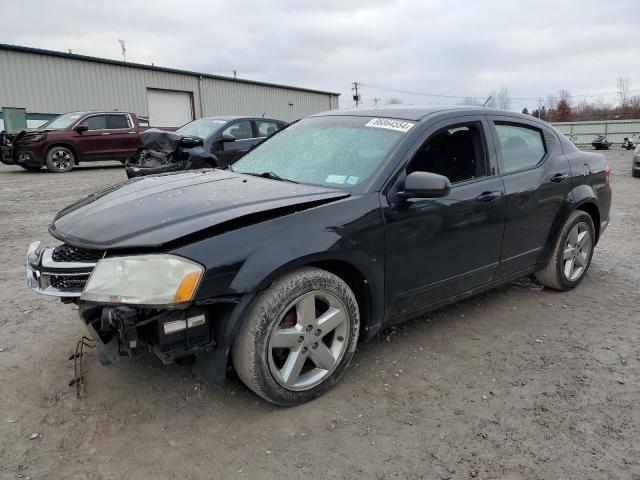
{"type": "Point", "coordinates": [105, 133]}
{"type": "Point", "coordinates": [559, 177]}
{"type": "Point", "coordinates": [489, 196]}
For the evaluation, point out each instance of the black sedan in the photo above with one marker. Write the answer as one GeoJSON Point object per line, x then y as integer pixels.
{"type": "Point", "coordinates": [342, 224]}
{"type": "Point", "coordinates": [600, 142]}
{"type": "Point", "coordinates": [204, 143]}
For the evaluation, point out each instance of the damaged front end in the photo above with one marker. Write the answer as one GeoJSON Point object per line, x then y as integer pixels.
{"type": "Point", "coordinates": [130, 331]}
{"type": "Point", "coordinates": [164, 152]}
{"type": "Point", "coordinates": [171, 333]}
{"type": "Point", "coordinates": [7, 150]}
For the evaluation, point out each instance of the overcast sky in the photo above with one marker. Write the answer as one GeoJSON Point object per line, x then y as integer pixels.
{"type": "Point", "coordinates": [464, 48]}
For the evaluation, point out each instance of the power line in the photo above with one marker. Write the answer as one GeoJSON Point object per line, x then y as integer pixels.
{"type": "Point", "coordinates": [461, 97]}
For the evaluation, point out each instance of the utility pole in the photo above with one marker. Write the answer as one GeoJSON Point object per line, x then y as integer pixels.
{"type": "Point", "coordinates": [539, 106]}
{"type": "Point", "coordinates": [375, 102]}
{"type": "Point", "coordinates": [356, 97]}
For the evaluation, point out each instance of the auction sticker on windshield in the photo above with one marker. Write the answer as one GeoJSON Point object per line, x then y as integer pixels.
{"type": "Point", "coordinates": [390, 124]}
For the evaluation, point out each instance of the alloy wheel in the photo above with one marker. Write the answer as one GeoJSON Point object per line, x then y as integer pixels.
{"type": "Point", "coordinates": [61, 159]}
{"type": "Point", "coordinates": [577, 251]}
{"type": "Point", "coordinates": [308, 341]}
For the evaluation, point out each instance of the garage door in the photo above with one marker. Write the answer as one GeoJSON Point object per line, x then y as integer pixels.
{"type": "Point", "coordinates": [169, 108]}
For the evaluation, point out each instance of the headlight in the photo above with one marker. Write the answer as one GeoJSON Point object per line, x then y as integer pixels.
{"type": "Point", "coordinates": [151, 280]}
{"type": "Point", "coordinates": [32, 138]}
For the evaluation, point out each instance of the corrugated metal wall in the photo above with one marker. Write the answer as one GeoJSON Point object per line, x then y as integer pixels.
{"type": "Point", "coordinates": [51, 84]}
{"type": "Point", "coordinates": [582, 133]}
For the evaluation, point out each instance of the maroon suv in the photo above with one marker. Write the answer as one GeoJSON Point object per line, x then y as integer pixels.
{"type": "Point", "coordinates": [63, 142]}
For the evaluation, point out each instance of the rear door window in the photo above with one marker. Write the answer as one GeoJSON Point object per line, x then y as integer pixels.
{"type": "Point", "coordinates": [118, 121]}
{"type": "Point", "coordinates": [96, 122]}
{"type": "Point", "coordinates": [522, 147]}
{"type": "Point", "coordinates": [241, 130]}
{"type": "Point", "coordinates": [265, 128]}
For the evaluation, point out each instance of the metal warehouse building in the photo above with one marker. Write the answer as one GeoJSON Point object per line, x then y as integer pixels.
{"type": "Point", "coordinates": [47, 83]}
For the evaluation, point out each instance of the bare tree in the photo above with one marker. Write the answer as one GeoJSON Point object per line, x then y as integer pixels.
{"type": "Point", "coordinates": [503, 99]}
{"type": "Point", "coordinates": [623, 91]}
{"type": "Point", "coordinates": [472, 102]}
{"type": "Point", "coordinates": [394, 101]}
{"type": "Point", "coordinates": [564, 95]}
{"type": "Point", "coordinates": [634, 106]}
{"type": "Point", "coordinates": [551, 101]}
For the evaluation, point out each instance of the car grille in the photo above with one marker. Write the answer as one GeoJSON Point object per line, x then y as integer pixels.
{"type": "Point", "coordinates": [68, 282]}
{"type": "Point", "coordinates": [67, 253]}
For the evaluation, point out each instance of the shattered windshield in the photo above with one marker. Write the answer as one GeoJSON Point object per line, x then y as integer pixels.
{"type": "Point", "coordinates": [203, 128]}
{"type": "Point", "coordinates": [63, 121]}
{"type": "Point", "coordinates": [336, 151]}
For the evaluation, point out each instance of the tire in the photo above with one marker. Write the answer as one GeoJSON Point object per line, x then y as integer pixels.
{"type": "Point", "coordinates": [569, 265]}
{"type": "Point", "coordinates": [277, 317]}
{"type": "Point", "coordinates": [635, 173]}
{"type": "Point", "coordinates": [31, 169]}
{"type": "Point", "coordinates": [60, 159]}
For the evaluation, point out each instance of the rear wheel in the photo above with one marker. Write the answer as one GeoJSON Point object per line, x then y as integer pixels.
{"type": "Point", "coordinates": [572, 253]}
{"type": "Point", "coordinates": [298, 338]}
{"type": "Point", "coordinates": [60, 159]}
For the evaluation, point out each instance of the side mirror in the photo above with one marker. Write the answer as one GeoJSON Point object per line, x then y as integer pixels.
{"type": "Point", "coordinates": [191, 142]}
{"type": "Point", "coordinates": [81, 128]}
{"type": "Point", "coordinates": [227, 138]}
{"type": "Point", "coordinates": [425, 185]}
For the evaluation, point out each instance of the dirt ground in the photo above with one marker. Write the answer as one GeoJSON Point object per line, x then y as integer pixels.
{"type": "Point", "coordinates": [517, 383]}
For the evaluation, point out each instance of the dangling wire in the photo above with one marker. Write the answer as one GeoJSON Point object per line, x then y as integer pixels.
{"type": "Point", "coordinates": [78, 367]}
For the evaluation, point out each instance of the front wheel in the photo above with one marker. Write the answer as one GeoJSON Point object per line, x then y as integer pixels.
{"type": "Point", "coordinates": [60, 159]}
{"type": "Point", "coordinates": [571, 255]}
{"type": "Point", "coordinates": [298, 337]}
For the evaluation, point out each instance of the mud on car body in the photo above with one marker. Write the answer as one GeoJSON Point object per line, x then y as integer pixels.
{"type": "Point", "coordinates": [341, 224]}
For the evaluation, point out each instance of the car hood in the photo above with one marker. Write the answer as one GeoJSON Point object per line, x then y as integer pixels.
{"type": "Point", "coordinates": [152, 211]}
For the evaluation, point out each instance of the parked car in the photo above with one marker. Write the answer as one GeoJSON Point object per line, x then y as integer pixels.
{"type": "Point", "coordinates": [628, 143]}
{"type": "Point", "coordinates": [342, 224]}
{"type": "Point", "coordinates": [600, 143]}
{"type": "Point", "coordinates": [635, 168]}
{"type": "Point", "coordinates": [68, 139]}
{"type": "Point", "coordinates": [222, 141]}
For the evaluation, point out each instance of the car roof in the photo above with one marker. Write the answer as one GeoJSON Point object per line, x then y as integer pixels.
{"type": "Point", "coordinates": [418, 113]}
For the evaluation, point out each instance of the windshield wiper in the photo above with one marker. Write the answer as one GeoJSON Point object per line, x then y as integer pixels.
{"type": "Point", "coordinates": [271, 175]}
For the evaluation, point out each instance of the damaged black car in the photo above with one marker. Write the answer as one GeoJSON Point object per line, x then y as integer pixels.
{"type": "Point", "coordinates": [212, 142]}
{"type": "Point", "coordinates": [342, 224]}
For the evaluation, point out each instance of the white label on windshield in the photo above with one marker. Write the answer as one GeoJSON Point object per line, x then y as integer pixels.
{"type": "Point", "coordinates": [391, 124]}
{"type": "Point", "coordinates": [335, 179]}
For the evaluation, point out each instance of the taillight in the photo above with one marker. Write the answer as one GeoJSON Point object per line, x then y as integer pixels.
{"type": "Point", "coordinates": [607, 172]}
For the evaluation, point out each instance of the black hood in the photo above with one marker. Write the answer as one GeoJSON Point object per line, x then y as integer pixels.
{"type": "Point", "coordinates": [149, 212]}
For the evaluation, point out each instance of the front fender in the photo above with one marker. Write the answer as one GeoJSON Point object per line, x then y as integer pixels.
{"type": "Point", "coordinates": [249, 258]}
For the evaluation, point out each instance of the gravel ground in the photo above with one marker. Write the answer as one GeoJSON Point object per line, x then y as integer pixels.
{"type": "Point", "coordinates": [517, 383]}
